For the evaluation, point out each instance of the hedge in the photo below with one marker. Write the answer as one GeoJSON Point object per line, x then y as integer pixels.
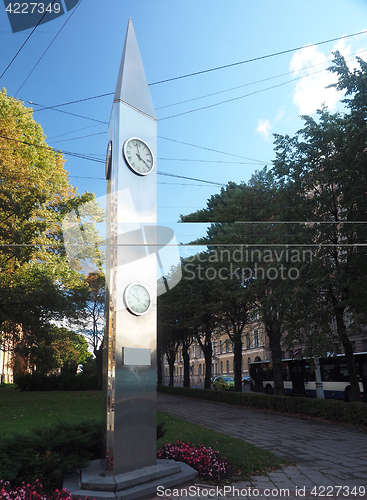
{"type": "Point", "coordinates": [48, 453]}
{"type": "Point", "coordinates": [326, 409]}
{"type": "Point", "coordinates": [64, 382]}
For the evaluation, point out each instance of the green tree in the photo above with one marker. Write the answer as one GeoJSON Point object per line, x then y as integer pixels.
{"type": "Point", "coordinates": [174, 324]}
{"type": "Point", "coordinates": [244, 232]}
{"type": "Point", "coordinates": [91, 317]}
{"type": "Point", "coordinates": [168, 332]}
{"type": "Point", "coordinates": [323, 170]}
{"type": "Point", "coordinates": [52, 348]}
{"type": "Point", "coordinates": [38, 285]}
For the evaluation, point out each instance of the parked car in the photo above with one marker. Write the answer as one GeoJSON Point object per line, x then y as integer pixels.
{"type": "Point", "coordinates": [223, 383]}
{"type": "Point", "coordinates": [246, 379]}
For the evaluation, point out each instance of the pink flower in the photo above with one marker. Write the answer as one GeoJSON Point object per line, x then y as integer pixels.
{"type": "Point", "coordinates": [207, 462]}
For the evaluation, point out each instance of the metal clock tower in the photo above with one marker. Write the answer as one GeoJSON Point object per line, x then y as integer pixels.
{"type": "Point", "coordinates": [131, 279]}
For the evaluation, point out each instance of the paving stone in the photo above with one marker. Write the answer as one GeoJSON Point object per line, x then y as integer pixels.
{"type": "Point", "coordinates": [324, 454]}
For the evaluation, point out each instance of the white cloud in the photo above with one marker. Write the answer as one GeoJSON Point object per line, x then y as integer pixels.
{"type": "Point", "coordinates": [310, 63]}
{"type": "Point", "coordinates": [280, 115]}
{"type": "Point", "coordinates": [263, 128]}
{"type": "Point", "coordinates": [310, 92]}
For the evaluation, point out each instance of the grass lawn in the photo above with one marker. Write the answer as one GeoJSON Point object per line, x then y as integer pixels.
{"type": "Point", "coordinates": [244, 458]}
{"type": "Point", "coordinates": [22, 411]}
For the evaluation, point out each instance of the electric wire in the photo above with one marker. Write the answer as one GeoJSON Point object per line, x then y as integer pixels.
{"type": "Point", "coordinates": [209, 161]}
{"type": "Point", "coordinates": [65, 112]}
{"type": "Point", "coordinates": [159, 182]}
{"type": "Point", "coordinates": [204, 71]}
{"type": "Point", "coordinates": [256, 82]}
{"type": "Point", "coordinates": [181, 102]}
{"type": "Point", "coordinates": [29, 36]}
{"type": "Point", "coordinates": [255, 58]}
{"type": "Point", "coordinates": [237, 98]}
{"type": "Point", "coordinates": [88, 157]}
{"type": "Point", "coordinates": [191, 178]}
{"type": "Point", "coordinates": [210, 149]}
{"type": "Point", "coordinates": [76, 138]}
{"type": "Point", "coordinates": [71, 132]}
{"type": "Point", "coordinates": [49, 45]}
{"type": "Point", "coordinates": [85, 157]}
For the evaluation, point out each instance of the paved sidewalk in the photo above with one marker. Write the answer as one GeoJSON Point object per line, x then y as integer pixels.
{"type": "Point", "coordinates": [330, 459]}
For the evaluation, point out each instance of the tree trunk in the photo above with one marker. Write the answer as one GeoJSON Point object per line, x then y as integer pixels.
{"type": "Point", "coordinates": [159, 365]}
{"type": "Point", "coordinates": [208, 367]}
{"type": "Point", "coordinates": [355, 394]}
{"type": "Point", "coordinates": [186, 361]}
{"type": "Point", "coordinates": [207, 349]}
{"type": "Point", "coordinates": [171, 365]}
{"type": "Point", "coordinates": [274, 335]}
{"type": "Point", "coordinates": [99, 366]}
{"type": "Point", "coordinates": [237, 361]}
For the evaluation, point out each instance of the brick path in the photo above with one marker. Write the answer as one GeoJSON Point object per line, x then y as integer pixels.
{"type": "Point", "coordinates": [325, 455]}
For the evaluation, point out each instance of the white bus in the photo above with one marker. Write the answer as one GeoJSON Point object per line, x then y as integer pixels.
{"type": "Point", "coordinates": [300, 380]}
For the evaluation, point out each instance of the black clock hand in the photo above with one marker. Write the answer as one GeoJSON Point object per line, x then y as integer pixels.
{"type": "Point", "coordinates": [140, 158]}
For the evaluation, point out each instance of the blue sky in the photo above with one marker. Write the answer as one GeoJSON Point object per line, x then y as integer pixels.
{"type": "Point", "coordinates": [226, 141]}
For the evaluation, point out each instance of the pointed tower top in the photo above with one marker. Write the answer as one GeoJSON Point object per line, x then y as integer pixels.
{"type": "Point", "coordinates": [132, 86]}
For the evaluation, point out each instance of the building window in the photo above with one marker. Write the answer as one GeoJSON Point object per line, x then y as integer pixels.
{"type": "Point", "coordinates": [221, 367]}
{"type": "Point", "coordinates": [256, 338]}
{"type": "Point", "coordinates": [248, 341]}
{"type": "Point", "coordinates": [214, 347]}
{"type": "Point", "coordinates": [334, 326]}
{"type": "Point", "coordinates": [227, 345]}
{"type": "Point", "coordinates": [199, 370]}
{"type": "Point", "coordinates": [221, 346]}
{"type": "Point", "coordinates": [227, 366]}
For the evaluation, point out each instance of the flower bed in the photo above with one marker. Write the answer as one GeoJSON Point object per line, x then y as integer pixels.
{"type": "Point", "coordinates": [209, 464]}
{"type": "Point", "coordinates": [29, 491]}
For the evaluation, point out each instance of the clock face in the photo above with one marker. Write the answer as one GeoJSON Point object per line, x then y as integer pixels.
{"type": "Point", "coordinates": [108, 160]}
{"type": "Point", "coordinates": [137, 299]}
{"type": "Point", "coordinates": [138, 156]}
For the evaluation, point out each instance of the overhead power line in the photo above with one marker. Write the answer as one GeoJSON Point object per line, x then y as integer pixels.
{"type": "Point", "coordinates": [85, 157]}
{"type": "Point", "coordinates": [203, 71]}
{"type": "Point", "coordinates": [81, 137]}
{"type": "Point", "coordinates": [29, 36]}
{"type": "Point", "coordinates": [62, 111]}
{"type": "Point", "coordinates": [191, 178]}
{"type": "Point", "coordinates": [213, 150]}
{"type": "Point", "coordinates": [253, 83]}
{"type": "Point", "coordinates": [49, 45]}
{"type": "Point", "coordinates": [217, 68]}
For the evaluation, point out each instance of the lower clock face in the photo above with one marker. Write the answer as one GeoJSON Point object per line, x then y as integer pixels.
{"type": "Point", "coordinates": [137, 299]}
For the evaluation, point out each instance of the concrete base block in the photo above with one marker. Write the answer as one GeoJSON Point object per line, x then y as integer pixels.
{"type": "Point", "coordinates": [91, 482]}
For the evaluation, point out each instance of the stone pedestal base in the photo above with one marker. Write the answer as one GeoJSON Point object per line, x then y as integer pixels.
{"type": "Point", "coordinates": [90, 481]}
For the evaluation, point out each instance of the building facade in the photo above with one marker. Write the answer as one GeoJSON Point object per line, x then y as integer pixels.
{"type": "Point", "coordinates": [254, 348]}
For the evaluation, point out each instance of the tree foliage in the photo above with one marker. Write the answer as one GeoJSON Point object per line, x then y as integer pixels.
{"type": "Point", "coordinates": [323, 170]}
{"type": "Point", "coordinates": [38, 286]}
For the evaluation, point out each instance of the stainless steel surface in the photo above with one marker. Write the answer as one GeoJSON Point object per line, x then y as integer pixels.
{"type": "Point", "coordinates": [132, 86]}
{"type": "Point", "coordinates": [130, 390]}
